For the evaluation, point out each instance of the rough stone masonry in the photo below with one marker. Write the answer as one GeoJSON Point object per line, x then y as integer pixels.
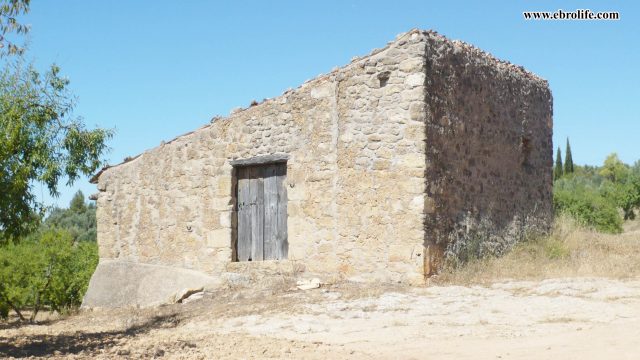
{"type": "Point", "coordinates": [424, 150]}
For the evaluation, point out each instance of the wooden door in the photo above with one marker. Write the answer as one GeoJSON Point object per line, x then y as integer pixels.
{"type": "Point", "coordinates": [262, 212]}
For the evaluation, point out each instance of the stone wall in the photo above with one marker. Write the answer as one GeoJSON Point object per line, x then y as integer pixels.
{"type": "Point", "coordinates": [355, 177]}
{"type": "Point", "coordinates": [489, 153]}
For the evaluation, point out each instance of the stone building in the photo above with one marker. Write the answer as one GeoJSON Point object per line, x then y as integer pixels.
{"type": "Point", "coordinates": [422, 150]}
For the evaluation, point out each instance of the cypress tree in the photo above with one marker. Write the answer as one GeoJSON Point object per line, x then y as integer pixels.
{"type": "Point", "coordinates": [557, 171]}
{"type": "Point", "coordinates": [568, 160]}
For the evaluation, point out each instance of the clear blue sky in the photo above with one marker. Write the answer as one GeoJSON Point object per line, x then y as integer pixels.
{"type": "Point", "coordinates": [156, 69]}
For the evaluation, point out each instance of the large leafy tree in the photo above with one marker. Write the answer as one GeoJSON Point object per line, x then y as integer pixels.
{"type": "Point", "coordinates": [40, 142]}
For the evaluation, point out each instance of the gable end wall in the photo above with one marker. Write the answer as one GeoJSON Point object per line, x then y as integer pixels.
{"type": "Point", "coordinates": [355, 178]}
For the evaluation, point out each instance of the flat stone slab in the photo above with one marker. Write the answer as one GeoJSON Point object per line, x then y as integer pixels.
{"type": "Point", "coordinates": [117, 283]}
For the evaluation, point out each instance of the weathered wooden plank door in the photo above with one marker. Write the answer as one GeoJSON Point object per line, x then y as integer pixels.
{"type": "Point", "coordinates": [262, 213]}
{"type": "Point", "coordinates": [256, 196]}
{"type": "Point", "coordinates": [244, 215]}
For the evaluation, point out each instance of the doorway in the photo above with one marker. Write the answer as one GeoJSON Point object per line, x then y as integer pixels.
{"type": "Point", "coordinates": [262, 212]}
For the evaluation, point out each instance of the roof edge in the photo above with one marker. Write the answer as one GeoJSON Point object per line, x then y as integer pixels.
{"type": "Point", "coordinates": [354, 61]}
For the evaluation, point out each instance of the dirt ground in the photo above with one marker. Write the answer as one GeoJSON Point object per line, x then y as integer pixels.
{"type": "Point", "coordinates": [577, 296]}
{"type": "Point", "coordinates": [562, 318]}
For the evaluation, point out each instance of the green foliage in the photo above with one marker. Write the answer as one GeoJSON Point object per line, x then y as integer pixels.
{"type": "Point", "coordinates": [625, 194]}
{"type": "Point", "coordinates": [623, 184]}
{"type": "Point", "coordinates": [72, 267]}
{"type": "Point", "coordinates": [45, 271]}
{"type": "Point", "coordinates": [635, 169]}
{"type": "Point", "coordinates": [41, 143]}
{"type": "Point", "coordinates": [9, 24]}
{"type": "Point", "coordinates": [586, 204]}
{"type": "Point", "coordinates": [596, 196]}
{"type": "Point", "coordinates": [568, 160]}
{"type": "Point", "coordinates": [629, 197]}
{"type": "Point", "coordinates": [557, 170]}
{"type": "Point", "coordinates": [79, 219]}
{"type": "Point", "coordinates": [614, 169]}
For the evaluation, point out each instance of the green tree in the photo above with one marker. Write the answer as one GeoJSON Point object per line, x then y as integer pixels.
{"type": "Point", "coordinates": [629, 198]}
{"type": "Point", "coordinates": [568, 160]}
{"type": "Point", "coordinates": [10, 10]}
{"type": "Point", "coordinates": [614, 169]}
{"type": "Point", "coordinates": [557, 171]}
{"type": "Point", "coordinates": [77, 202]}
{"type": "Point", "coordinates": [79, 219]}
{"type": "Point", "coordinates": [41, 143]}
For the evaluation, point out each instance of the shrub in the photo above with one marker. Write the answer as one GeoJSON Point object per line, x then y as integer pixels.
{"type": "Point", "coordinates": [587, 206]}
{"type": "Point", "coordinates": [48, 270]}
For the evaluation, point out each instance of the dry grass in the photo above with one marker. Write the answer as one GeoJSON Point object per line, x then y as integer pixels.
{"type": "Point", "coordinates": [569, 251]}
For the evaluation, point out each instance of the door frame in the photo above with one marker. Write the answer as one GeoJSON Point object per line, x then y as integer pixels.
{"type": "Point", "coordinates": [263, 160]}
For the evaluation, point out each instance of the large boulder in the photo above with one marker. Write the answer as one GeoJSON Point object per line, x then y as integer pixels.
{"type": "Point", "coordinates": [118, 283]}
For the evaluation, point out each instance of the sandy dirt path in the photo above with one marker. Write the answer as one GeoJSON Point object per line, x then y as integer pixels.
{"type": "Point", "coordinates": [572, 318]}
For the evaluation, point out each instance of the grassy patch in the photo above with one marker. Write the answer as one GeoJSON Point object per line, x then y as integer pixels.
{"type": "Point", "coordinates": [570, 250]}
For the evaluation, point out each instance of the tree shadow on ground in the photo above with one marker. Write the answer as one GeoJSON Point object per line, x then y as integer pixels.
{"type": "Point", "coordinates": [22, 346]}
{"type": "Point", "coordinates": [14, 324]}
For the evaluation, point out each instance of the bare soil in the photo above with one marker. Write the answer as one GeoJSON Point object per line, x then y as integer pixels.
{"type": "Point", "coordinates": [567, 318]}
{"type": "Point", "coordinates": [573, 295]}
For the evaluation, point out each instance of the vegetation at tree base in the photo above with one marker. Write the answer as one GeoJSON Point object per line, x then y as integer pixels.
{"type": "Point", "coordinates": [557, 170]}
{"type": "Point", "coordinates": [599, 197]}
{"type": "Point", "coordinates": [568, 160]}
{"type": "Point", "coordinates": [51, 268]}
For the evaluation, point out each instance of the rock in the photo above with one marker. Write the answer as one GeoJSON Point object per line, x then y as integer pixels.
{"type": "Point", "coordinates": [118, 283]}
{"type": "Point", "coordinates": [193, 297]}
{"type": "Point", "coordinates": [415, 80]}
{"type": "Point", "coordinates": [307, 284]}
{"type": "Point", "coordinates": [183, 294]}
